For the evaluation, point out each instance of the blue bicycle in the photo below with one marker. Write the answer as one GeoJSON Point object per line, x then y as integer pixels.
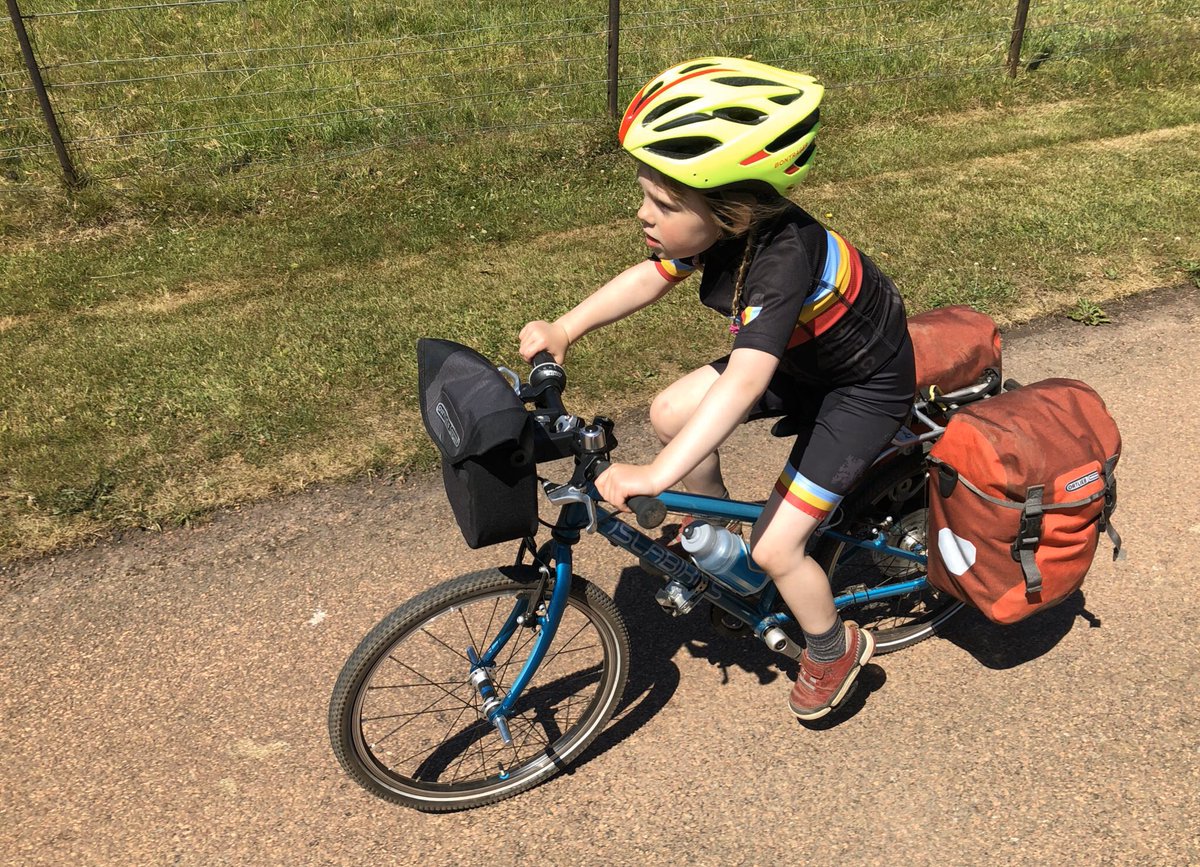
{"type": "Point", "coordinates": [493, 682]}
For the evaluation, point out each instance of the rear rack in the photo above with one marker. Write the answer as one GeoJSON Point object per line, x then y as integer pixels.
{"type": "Point", "coordinates": [941, 405]}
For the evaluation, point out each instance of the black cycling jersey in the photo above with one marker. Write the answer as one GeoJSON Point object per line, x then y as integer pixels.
{"type": "Point", "coordinates": [810, 299]}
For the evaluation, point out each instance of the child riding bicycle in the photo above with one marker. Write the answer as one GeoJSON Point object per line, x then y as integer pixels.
{"type": "Point", "coordinates": [819, 332]}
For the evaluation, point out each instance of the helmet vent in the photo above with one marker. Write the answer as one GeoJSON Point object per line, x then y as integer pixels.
{"type": "Point", "coordinates": [803, 160]}
{"type": "Point", "coordinates": [794, 134]}
{"type": "Point", "coordinates": [746, 81]}
{"type": "Point", "coordinates": [787, 98]}
{"type": "Point", "coordinates": [686, 120]}
{"type": "Point", "coordinates": [696, 66]}
{"type": "Point", "coordinates": [668, 106]}
{"type": "Point", "coordinates": [683, 148]}
{"type": "Point", "coordinates": [741, 114]}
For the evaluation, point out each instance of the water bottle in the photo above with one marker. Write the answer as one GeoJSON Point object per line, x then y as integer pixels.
{"type": "Point", "coordinates": [723, 555]}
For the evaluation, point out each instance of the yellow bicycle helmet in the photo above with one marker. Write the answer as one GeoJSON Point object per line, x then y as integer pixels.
{"type": "Point", "coordinates": [721, 121]}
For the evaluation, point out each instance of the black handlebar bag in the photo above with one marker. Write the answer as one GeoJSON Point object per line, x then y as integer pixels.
{"type": "Point", "coordinates": [485, 436]}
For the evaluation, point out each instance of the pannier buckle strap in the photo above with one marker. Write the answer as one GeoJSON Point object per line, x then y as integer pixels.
{"type": "Point", "coordinates": [1029, 534]}
{"type": "Point", "coordinates": [1110, 503]}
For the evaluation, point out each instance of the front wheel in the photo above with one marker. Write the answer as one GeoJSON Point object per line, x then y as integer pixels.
{"type": "Point", "coordinates": [407, 723]}
{"type": "Point", "coordinates": [894, 500]}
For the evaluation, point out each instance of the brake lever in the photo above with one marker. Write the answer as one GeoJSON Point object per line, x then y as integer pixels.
{"type": "Point", "coordinates": [513, 379]}
{"type": "Point", "coordinates": [564, 494]}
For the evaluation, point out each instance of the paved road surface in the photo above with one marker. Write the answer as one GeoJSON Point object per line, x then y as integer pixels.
{"type": "Point", "coordinates": [165, 695]}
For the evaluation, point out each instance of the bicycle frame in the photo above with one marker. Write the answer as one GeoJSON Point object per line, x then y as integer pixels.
{"type": "Point", "coordinates": [754, 610]}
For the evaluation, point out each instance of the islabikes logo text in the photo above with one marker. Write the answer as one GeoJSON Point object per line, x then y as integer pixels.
{"type": "Point", "coordinates": [663, 560]}
{"type": "Point", "coordinates": [444, 415]}
{"type": "Point", "coordinates": [1083, 481]}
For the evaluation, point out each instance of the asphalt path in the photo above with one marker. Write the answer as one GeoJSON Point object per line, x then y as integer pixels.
{"type": "Point", "coordinates": [165, 694]}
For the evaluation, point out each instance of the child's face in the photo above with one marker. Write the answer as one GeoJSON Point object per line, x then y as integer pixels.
{"type": "Point", "coordinates": [674, 230]}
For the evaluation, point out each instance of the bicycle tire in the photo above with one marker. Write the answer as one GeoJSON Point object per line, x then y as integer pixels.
{"type": "Point", "coordinates": [899, 491]}
{"type": "Point", "coordinates": [428, 760]}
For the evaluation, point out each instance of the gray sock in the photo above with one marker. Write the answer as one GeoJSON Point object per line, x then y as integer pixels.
{"type": "Point", "coordinates": [828, 646]}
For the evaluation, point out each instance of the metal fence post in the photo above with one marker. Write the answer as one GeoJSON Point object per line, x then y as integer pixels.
{"type": "Point", "coordinates": [1018, 37]}
{"type": "Point", "coordinates": [39, 86]}
{"type": "Point", "coordinates": [614, 39]}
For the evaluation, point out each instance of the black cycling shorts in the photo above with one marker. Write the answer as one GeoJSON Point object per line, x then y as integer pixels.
{"type": "Point", "coordinates": [841, 430]}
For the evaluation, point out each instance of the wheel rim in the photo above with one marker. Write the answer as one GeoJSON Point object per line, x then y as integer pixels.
{"type": "Point", "coordinates": [417, 721]}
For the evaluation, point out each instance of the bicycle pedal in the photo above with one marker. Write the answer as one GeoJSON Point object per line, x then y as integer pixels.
{"type": "Point", "coordinates": [676, 598]}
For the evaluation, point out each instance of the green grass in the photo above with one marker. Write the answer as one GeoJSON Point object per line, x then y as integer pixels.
{"type": "Point", "coordinates": [184, 337]}
{"type": "Point", "coordinates": [230, 89]}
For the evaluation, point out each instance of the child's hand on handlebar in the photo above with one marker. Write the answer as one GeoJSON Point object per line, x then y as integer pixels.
{"type": "Point", "coordinates": [621, 481]}
{"type": "Point", "coordinates": [549, 336]}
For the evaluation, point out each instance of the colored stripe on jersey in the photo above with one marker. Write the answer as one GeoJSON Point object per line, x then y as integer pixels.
{"type": "Point", "coordinates": [675, 269]}
{"type": "Point", "coordinates": [842, 276]}
{"type": "Point", "coordinates": [805, 495]}
{"type": "Point", "coordinates": [749, 314]}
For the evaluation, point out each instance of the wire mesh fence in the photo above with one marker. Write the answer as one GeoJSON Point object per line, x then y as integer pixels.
{"type": "Point", "coordinates": [242, 87]}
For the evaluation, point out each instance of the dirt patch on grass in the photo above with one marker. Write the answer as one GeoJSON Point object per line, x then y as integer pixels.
{"type": "Point", "coordinates": [170, 301]}
{"type": "Point", "coordinates": [1101, 281]}
{"type": "Point", "coordinates": [1134, 276]}
{"type": "Point", "coordinates": [1021, 159]}
{"type": "Point", "coordinates": [191, 293]}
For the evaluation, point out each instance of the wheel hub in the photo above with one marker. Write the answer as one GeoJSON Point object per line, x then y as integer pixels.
{"type": "Point", "coordinates": [907, 534]}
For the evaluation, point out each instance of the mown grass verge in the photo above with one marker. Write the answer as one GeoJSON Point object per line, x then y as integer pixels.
{"type": "Point", "coordinates": [153, 370]}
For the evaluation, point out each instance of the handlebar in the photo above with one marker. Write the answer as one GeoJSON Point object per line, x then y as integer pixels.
{"type": "Point", "coordinates": [547, 381]}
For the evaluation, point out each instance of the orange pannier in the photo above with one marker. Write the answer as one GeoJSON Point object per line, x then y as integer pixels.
{"type": "Point", "coordinates": [953, 347]}
{"type": "Point", "coordinates": [1021, 485]}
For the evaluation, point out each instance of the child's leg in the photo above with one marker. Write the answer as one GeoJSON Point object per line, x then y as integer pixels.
{"type": "Point", "coordinates": [669, 413]}
{"type": "Point", "coordinates": [851, 426]}
{"type": "Point", "coordinates": [834, 652]}
{"type": "Point", "coordinates": [778, 544]}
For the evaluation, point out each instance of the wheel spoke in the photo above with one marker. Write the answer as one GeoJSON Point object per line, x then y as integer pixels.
{"type": "Point", "coordinates": [467, 626]}
{"type": "Point", "coordinates": [523, 642]}
{"type": "Point", "coordinates": [453, 650]}
{"type": "Point", "coordinates": [477, 724]}
{"type": "Point", "coordinates": [411, 717]}
{"type": "Point", "coordinates": [428, 682]}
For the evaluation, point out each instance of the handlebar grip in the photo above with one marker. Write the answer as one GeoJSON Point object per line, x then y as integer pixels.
{"type": "Point", "coordinates": [548, 380]}
{"type": "Point", "coordinates": [649, 511]}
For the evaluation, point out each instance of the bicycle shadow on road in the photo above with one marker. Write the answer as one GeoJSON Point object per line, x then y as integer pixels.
{"type": "Point", "coordinates": [655, 639]}
{"type": "Point", "coordinates": [1000, 647]}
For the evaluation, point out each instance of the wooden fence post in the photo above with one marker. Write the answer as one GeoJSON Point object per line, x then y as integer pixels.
{"type": "Point", "coordinates": [614, 40]}
{"type": "Point", "coordinates": [39, 87]}
{"type": "Point", "coordinates": [1018, 37]}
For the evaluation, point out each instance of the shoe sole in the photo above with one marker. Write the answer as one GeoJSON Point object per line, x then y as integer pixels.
{"type": "Point", "coordinates": [848, 684]}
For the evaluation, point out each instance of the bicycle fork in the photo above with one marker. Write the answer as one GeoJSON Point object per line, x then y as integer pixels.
{"type": "Point", "coordinates": [496, 708]}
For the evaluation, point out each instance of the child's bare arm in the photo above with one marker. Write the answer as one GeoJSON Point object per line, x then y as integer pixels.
{"type": "Point", "coordinates": [723, 408]}
{"type": "Point", "coordinates": [631, 290]}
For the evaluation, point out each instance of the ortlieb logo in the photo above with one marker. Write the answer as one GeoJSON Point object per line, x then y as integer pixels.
{"type": "Point", "coordinates": [444, 415]}
{"type": "Point", "coordinates": [1083, 481]}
